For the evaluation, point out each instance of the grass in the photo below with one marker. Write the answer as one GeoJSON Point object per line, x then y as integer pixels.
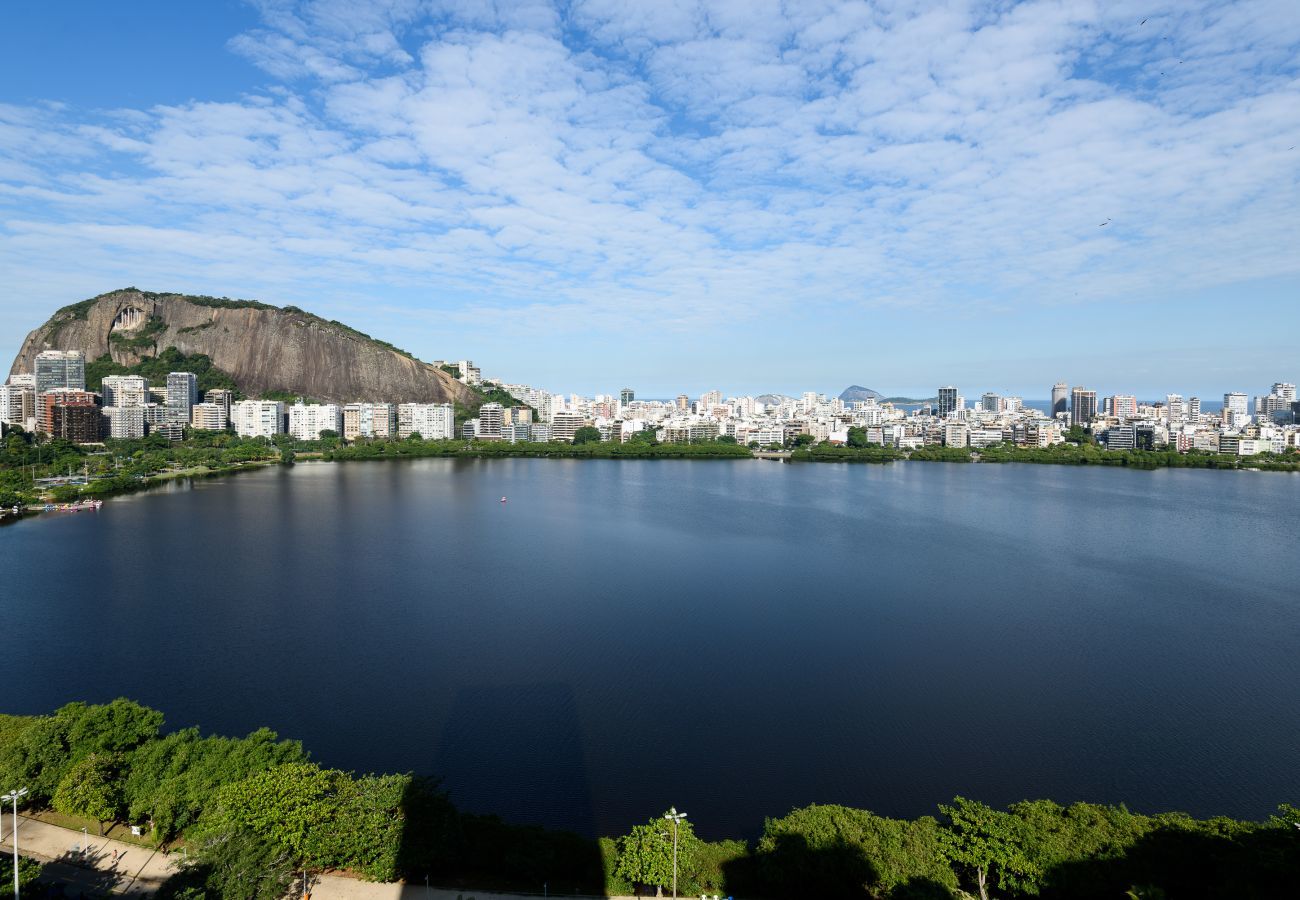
{"type": "Point", "coordinates": [117, 831]}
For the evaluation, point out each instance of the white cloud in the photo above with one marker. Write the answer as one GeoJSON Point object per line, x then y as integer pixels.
{"type": "Point", "coordinates": [597, 164]}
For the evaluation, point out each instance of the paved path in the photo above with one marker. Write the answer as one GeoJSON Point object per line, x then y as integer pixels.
{"type": "Point", "coordinates": [92, 869]}
{"type": "Point", "coordinates": [138, 871]}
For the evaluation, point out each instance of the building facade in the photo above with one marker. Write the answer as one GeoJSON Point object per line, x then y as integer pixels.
{"type": "Point", "coordinates": [60, 370]}
{"type": "Point", "coordinates": [308, 420]}
{"type": "Point", "coordinates": [431, 421]}
{"type": "Point", "coordinates": [257, 418]}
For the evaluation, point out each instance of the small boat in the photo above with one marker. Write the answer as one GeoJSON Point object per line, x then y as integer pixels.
{"type": "Point", "coordinates": [503, 499]}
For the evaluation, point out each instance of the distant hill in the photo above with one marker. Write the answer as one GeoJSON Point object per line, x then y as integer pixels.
{"type": "Point", "coordinates": [857, 392]}
{"type": "Point", "coordinates": [261, 348]}
{"type": "Point", "coordinates": [772, 399]}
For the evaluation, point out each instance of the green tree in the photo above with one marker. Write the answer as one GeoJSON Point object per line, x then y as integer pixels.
{"type": "Point", "coordinates": [237, 864]}
{"type": "Point", "coordinates": [92, 788]}
{"type": "Point", "coordinates": [645, 855]}
{"type": "Point", "coordinates": [836, 851]}
{"type": "Point", "coordinates": [586, 435]}
{"type": "Point", "coordinates": [28, 871]}
{"type": "Point", "coordinates": [802, 440]}
{"type": "Point", "coordinates": [987, 842]}
{"type": "Point", "coordinates": [857, 437]}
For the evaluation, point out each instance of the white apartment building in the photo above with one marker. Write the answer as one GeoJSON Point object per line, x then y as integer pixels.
{"type": "Point", "coordinates": [491, 417]}
{"type": "Point", "coordinates": [125, 390]}
{"type": "Point", "coordinates": [469, 373]}
{"type": "Point", "coordinates": [17, 404]}
{"type": "Point", "coordinates": [1235, 414]}
{"type": "Point", "coordinates": [257, 418]}
{"type": "Point", "coordinates": [308, 420]}
{"type": "Point", "coordinates": [431, 421]}
{"type": "Point", "coordinates": [209, 417]}
{"type": "Point", "coordinates": [125, 422]}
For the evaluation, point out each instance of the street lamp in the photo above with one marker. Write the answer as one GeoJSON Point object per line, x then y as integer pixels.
{"type": "Point", "coordinates": [14, 795]}
{"type": "Point", "coordinates": [675, 817]}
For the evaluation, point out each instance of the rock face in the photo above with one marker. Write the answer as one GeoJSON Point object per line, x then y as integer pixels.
{"type": "Point", "coordinates": [858, 392]}
{"type": "Point", "coordinates": [265, 348]}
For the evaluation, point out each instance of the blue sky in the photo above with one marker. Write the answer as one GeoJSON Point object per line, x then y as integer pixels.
{"type": "Point", "coordinates": [678, 195]}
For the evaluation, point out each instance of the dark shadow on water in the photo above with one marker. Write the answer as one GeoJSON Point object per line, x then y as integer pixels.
{"type": "Point", "coordinates": [516, 750]}
{"type": "Point", "coordinates": [520, 746]}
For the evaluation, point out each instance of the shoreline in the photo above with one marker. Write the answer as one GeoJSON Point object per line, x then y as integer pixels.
{"type": "Point", "coordinates": [1140, 460]}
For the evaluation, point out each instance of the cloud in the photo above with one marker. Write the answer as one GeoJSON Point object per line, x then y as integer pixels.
{"type": "Point", "coordinates": [598, 165]}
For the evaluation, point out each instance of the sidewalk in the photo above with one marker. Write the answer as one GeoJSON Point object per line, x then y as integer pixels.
{"type": "Point", "coordinates": [138, 871]}
{"type": "Point", "coordinates": [135, 872]}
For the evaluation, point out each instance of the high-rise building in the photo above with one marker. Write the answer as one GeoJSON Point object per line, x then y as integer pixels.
{"type": "Point", "coordinates": [1285, 390]}
{"type": "Point", "coordinates": [1235, 412]}
{"type": "Point", "coordinates": [1083, 406]}
{"type": "Point", "coordinates": [565, 425]}
{"type": "Point", "coordinates": [683, 402]}
{"type": "Point", "coordinates": [257, 418]}
{"type": "Point", "coordinates": [17, 404]}
{"type": "Point", "coordinates": [182, 394]}
{"type": "Point", "coordinates": [71, 415]}
{"type": "Point", "coordinates": [308, 420]}
{"type": "Point", "coordinates": [125, 390]}
{"type": "Point", "coordinates": [60, 370]}
{"type": "Point", "coordinates": [947, 401]}
{"type": "Point", "coordinates": [369, 420]}
{"type": "Point", "coordinates": [491, 418]}
{"type": "Point", "coordinates": [431, 421]}
{"type": "Point", "coordinates": [209, 417]}
{"type": "Point", "coordinates": [1193, 409]}
{"type": "Point", "coordinates": [991, 402]}
{"type": "Point", "coordinates": [221, 397]}
{"type": "Point", "coordinates": [125, 423]}
{"type": "Point", "coordinates": [1174, 412]}
{"type": "Point", "coordinates": [626, 396]}
{"type": "Point", "coordinates": [1060, 399]}
{"type": "Point", "coordinates": [1123, 406]}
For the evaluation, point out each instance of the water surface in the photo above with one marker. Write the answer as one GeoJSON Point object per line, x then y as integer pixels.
{"type": "Point", "coordinates": [733, 638]}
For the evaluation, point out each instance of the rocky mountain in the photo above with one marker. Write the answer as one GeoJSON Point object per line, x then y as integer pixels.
{"type": "Point", "coordinates": [772, 399]}
{"type": "Point", "coordinates": [262, 347]}
{"type": "Point", "coordinates": [857, 392]}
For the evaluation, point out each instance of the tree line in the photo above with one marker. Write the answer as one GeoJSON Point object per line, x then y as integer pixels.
{"type": "Point", "coordinates": [252, 811]}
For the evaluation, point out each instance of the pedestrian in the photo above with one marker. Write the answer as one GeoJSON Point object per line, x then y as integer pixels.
{"type": "Point", "coordinates": [115, 856]}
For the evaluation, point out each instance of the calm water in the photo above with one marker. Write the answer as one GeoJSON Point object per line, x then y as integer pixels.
{"type": "Point", "coordinates": [734, 638]}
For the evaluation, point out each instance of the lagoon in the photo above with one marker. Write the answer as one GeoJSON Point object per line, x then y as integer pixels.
{"type": "Point", "coordinates": [735, 638]}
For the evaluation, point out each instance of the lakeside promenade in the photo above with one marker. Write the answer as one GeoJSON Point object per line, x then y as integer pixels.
{"type": "Point", "coordinates": [136, 871]}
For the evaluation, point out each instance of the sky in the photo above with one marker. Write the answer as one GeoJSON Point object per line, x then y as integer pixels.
{"type": "Point", "coordinates": [678, 196]}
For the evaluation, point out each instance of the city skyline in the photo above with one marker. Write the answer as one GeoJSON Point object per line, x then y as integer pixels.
{"type": "Point", "coordinates": [683, 197]}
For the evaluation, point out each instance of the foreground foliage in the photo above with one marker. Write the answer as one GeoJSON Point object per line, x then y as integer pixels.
{"type": "Point", "coordinates": [255, 810]}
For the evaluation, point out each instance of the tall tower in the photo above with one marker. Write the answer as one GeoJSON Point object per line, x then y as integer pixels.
{"type": "Point", "coordinates": [626, 396]}
{"type": "Point", "coordinates": [60, 370]}
{"type": "Point", "coordinates": [947, 400]}
{"type": "Point", "coordinates": [1083, 406]}
{"type": "Point", "coordinates": [1060, 399]}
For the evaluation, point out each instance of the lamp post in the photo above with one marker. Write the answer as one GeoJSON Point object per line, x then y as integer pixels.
{"type": "Point", "coordinates": [14, 795]}
{"type": "Point", "coordinates": [675, 817]}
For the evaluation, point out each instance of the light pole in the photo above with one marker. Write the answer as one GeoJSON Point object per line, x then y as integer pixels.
{"type": "Point", "coordinates": [14, 795]}
{"type": "Point", "coordinates": [675, 817]}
